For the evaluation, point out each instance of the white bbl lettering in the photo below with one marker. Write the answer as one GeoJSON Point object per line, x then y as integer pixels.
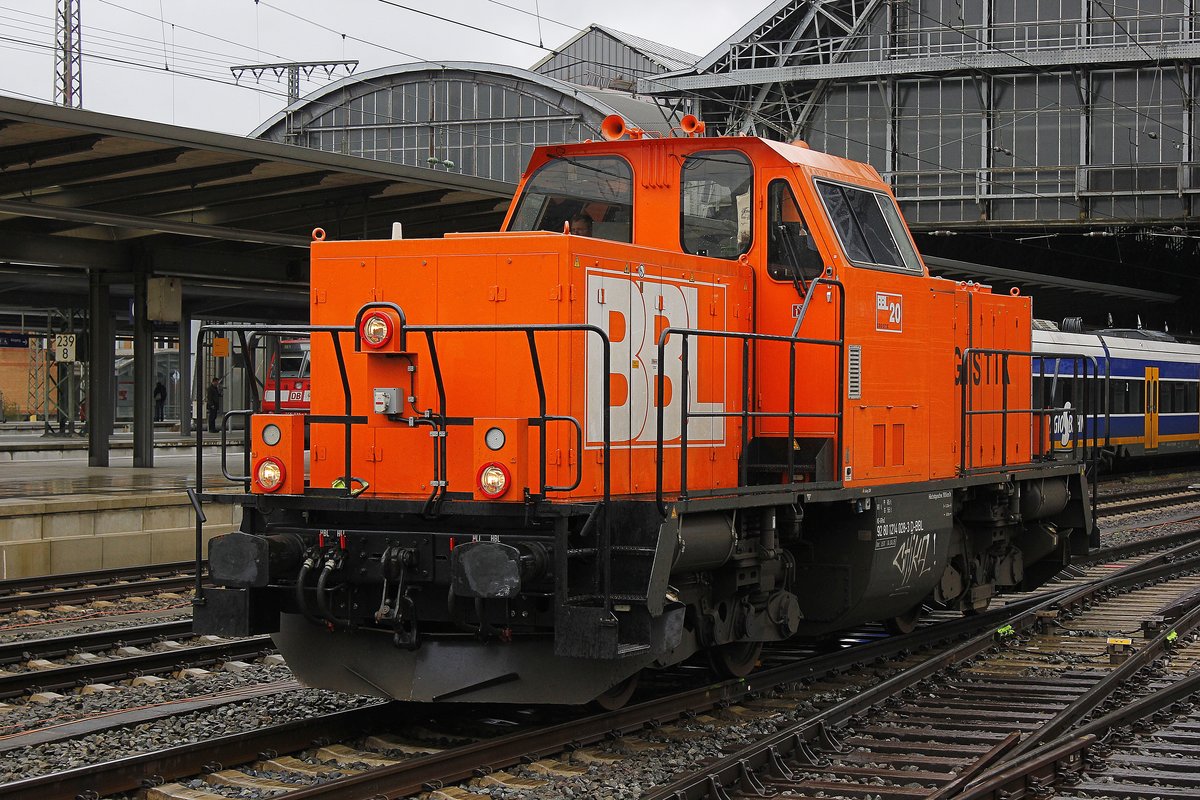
{"type": "Point", "coordinates": [633, 315]}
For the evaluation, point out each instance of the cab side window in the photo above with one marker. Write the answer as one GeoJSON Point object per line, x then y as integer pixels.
{"type": "Point", "coordinates": [716, 204]}
{"type": "Point", "coordinates": [568, 190]}
{"type": "Point", "coordinates": [869, 227]}
{"type": "Point", "coordinates": [791, 250]}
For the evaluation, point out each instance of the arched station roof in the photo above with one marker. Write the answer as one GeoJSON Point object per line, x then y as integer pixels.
{"type": "Point", "coordinates": [468, 117]}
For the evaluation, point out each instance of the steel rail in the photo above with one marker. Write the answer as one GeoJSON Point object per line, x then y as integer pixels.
{"type": "Point", "coordinates": [58, 646]}
{"type": "Point", "coordinates": [82, 594]}
{"type": "Point", "coordinates": [1116, 498]}
{"type": "Point", "coordinates": [154, 769]}
{"type": "Point", "coordinates": [71, 675]}
{"type": "Point", "coordinates": [44, 582]}
{"type": "Point", "coordinates": [1014, 776]}
{"type": "Point", "coordinates": [1091, 699]}
{"type": "Point", "coordinates": [1125, 550]}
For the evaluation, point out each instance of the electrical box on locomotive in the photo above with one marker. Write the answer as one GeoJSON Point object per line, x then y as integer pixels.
{"type": "Point", "coordinates": [699, 394]}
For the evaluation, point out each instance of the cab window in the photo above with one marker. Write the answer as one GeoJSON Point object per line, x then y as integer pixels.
{"type": "Point", "coordinates": [791, 251]}
{"type": "Point", "coordinates": [715, 206]}
{"type": "Point", "coordinates": [566, 189]}
{"type": "Point", "coordinates": [869, 227]}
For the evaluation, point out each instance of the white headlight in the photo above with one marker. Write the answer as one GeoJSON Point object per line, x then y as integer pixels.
{"type": "Point", "coordinates": [269, 474]}
{"type": "Point", "coordinates": [493, 480]}
{"type": "Point", "coordinates": [376, 330]}
{"type": "Point", "coordinates": [271, 435]}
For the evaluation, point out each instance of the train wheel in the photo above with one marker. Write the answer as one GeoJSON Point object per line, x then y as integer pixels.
{"type": "Point", "coordinates": [903, 623]}
{"type": "Point", "coordinates": [734, 660]}
{"type": "Point", "coordinates": [617, 696]}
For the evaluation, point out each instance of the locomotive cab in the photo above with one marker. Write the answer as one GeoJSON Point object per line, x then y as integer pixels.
{"type": "Point", "coordinates": [699, 394]}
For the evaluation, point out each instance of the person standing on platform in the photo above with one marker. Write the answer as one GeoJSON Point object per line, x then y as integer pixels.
{"type": "Point", "coordinates": [213, 400]}
{"type": "Point", "coordinates": [160, 401]}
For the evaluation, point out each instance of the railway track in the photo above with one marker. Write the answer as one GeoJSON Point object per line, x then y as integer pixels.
{"type": "Point", "coordinates": [866, 674]}
{"type": "Point", "coordinates": [127, 661]}
{"type": "Point", "coordinates": [68, 580]}
{"type": "Point", "coordinates": [50, 591]}
{"type": "Point", "coordinates": [1098, 564]}
{"type": "Point", "coordinates": [61, 646]}
{"type": "Point", "coordinates": [1149, 499]}
{"type": "Point", "coordinates": [933, 731]}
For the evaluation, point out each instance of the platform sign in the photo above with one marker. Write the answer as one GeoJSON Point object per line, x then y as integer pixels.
{"type": "Point", "coordinates": [64, 347]}
{"type": "Point", "coordinates": [220, 347]}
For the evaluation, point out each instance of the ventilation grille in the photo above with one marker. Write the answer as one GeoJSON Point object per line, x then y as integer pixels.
{"type": "Point", "coordinates": [854, 379]}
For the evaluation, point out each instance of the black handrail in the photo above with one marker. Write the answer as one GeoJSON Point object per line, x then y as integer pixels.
{"type": "Point", "coordinates": [401, 334]}
{"type": "Point", "coordinates": [1080, 450]}
{"type": "Point", "coordinates": [241, 412]}
{"type": "Point", "coordinates": [440, 420]}
{"type": "Point", "coordinates": [744, 413]}
{"type": "Point", "coordinates": [543, 417]}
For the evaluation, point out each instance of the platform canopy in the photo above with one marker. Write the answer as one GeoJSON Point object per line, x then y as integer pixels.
{"type": "Point", "coordinates": [86, 191]}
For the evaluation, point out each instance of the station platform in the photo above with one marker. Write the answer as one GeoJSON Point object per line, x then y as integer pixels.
{"type": "Point", "coordinates": [27, 441]}
{"type": "Point", "coordinates": [59, 515]}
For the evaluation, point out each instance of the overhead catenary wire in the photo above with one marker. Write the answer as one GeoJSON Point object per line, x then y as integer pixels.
{"type": "Point", "coordinates": [198, 74]}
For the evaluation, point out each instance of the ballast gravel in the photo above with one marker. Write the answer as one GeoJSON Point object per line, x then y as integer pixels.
{"type": "Point", "coordinates": [232, 718]}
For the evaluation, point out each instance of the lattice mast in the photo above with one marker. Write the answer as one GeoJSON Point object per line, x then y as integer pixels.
{"type": "Point", "coordinates": [68, 55]}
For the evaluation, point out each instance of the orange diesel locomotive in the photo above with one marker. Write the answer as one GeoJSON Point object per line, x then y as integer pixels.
{"type": "Point", "coordinates": [699, 394]}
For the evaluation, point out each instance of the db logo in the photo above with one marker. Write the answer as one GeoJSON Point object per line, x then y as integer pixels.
{"type": "Point", "coordinates": [634, 312]}
{"type": "Point", "coordinates": [889, 312]}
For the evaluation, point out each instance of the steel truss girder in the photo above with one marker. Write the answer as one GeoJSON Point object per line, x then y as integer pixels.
{"type": "Point", "coordinates": [766, 104]}
{"type": "Point", "coordinates": [1025, 61]}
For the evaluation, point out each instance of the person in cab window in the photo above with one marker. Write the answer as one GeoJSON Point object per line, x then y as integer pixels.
{"type": "Point", "coordinates": [581, 225]}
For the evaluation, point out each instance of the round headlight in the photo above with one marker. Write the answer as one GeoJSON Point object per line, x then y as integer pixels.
{"type": "Point", "coordinates": [269, 474]}
{"type": "Point", "coordinates": [494, 438]}
{"type": "Point", "coordinates": [493, 480]}
{"type": "Point", "coordinates": [271, 435]}
{"type": "Point", "coordinates": [376, 330]}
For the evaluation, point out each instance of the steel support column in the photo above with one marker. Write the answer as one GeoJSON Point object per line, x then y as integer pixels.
{"type": "Point", "coordinates": [143, 377]}
{"type": "Point", "coordinates": [100, 396]}
{"type": "Point", "coordinates": [184, 386]}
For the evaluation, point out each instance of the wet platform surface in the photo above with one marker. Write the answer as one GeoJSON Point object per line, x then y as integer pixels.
{"type": "Point", "coordinates": [34, 480]}
{"type": "Point", "coordinates": [57, 466]}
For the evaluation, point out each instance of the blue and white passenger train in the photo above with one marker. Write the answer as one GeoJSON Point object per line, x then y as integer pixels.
{"type": "Point", "coordinates": [1149, 402]}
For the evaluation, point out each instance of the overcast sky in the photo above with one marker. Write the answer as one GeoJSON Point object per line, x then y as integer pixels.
{"type": "Point", "coordinates": [169, 60]}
